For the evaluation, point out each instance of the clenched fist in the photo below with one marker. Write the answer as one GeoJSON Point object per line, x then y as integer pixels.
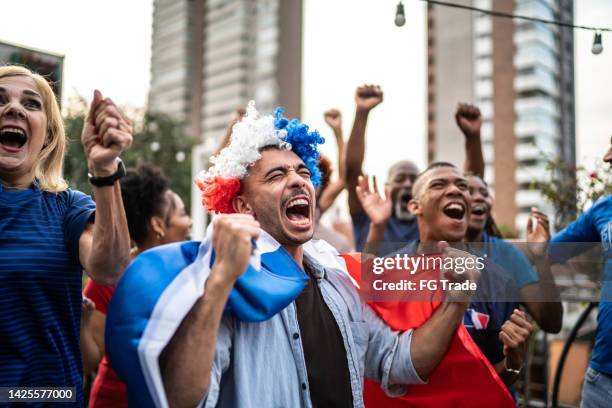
{"type": "Point", "coordinates": [367, 97]}
{"type": "Point", "coordinates": [468, 275]}
{"type": "Point", "coordinates": [237, 116]}
{"type": "Point", "coordinates": [106, 134]}
{"type": "Point", "coordinates": [468, 119]}
{"type": "Point", "coordinates": [515, 335]}
{"type": "Point", "coordinates": [232, 241]}
{"type": "Point", "coordinates": [333, 118]}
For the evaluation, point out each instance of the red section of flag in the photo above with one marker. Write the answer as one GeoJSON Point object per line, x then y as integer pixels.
{"type": "Point", "coordinates": [464, 377]}
{"type": "Point", "coordinates": [483, 319]}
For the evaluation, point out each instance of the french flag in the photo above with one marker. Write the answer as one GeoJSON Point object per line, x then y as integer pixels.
{"type": "Point", "coordinates": [475, 319]}
{"type": "Point", "coordinates": [161, 285]}
{"type": "Point", "coordinates": [463, 378]}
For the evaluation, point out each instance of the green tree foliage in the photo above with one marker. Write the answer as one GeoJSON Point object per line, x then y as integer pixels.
{"type": "Point", "coordinates": [75, 165]}
{"type": "Point", "coordinates": [158, 139]}
{"type": "Point", "coordinates": [572, 190]}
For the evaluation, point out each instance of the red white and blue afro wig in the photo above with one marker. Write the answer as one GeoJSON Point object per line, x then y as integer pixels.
{"type": "Point", "coordinates": [221, 183]}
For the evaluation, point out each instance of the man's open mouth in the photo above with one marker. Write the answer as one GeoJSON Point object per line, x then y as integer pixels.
{"type": "Point", "coordinates": [401, 205]}
{"type": "Point", "coordinates": [13, 138]}
{"type": "Point", "coordinates": [454, 210]}
{"type": "Point", "coordinates": [298, 211]}
{"type": "Point", "coordinates": [404, 195]}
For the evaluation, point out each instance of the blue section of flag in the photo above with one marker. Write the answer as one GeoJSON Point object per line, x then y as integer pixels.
{"type": "Point", "coordinates": [260, 293]}
{"type": "Point", "coordinates": [131, 306]}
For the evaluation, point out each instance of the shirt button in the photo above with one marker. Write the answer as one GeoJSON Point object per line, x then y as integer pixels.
{"type": "Point", "coordinates": [303, 386]}
{"type": "Point", "coordinates": [296, 336]}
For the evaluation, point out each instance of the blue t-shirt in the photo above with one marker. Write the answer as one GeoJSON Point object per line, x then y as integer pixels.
{"type": "Point", "coordinates": [495, 299]}
{"type": "Point", "coordinates": [595, 225]}
{"type": "Point", "coordinates": [397, 231]}
{"type": "Point", "coordinates": [40, 287]}
{"type": "Point", "coordinates": [510, 258]}
{"type": "Point", "coordinates": [492, 304]}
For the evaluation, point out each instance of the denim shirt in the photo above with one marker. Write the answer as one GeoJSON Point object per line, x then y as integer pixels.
{"type": "Point", "coordinates": [262, 365]}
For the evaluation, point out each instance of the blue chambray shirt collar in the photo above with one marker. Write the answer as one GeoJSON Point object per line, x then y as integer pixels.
{"type": "Point", "coordinates": [316, 268]}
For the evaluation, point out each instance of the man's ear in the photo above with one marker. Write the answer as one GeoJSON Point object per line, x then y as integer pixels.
{"type": "Point", "coordinates": [414, 206]}
{"type": "Point", "coordinates": [241, 206]}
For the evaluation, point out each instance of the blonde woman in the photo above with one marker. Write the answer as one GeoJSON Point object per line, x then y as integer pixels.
{"type": "Point", "coordinates": [47, 232]}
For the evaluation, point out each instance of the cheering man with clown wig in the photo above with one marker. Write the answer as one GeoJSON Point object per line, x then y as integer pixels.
{"type": "Point", "coordinates": [260, 315]}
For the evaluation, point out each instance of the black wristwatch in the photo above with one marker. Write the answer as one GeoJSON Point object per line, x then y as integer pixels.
{"type": "Point", "coordinates": [108, 180]}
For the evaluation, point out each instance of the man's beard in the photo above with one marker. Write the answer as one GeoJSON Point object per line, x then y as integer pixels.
{"type": "Point", "coordinates": [400, 209]}
{"type": "Point", "coordinates": [273, 224]}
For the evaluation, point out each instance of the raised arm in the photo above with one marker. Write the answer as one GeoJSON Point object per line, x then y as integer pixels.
{"type": "Point", "coordinates": [333, 118]}
{"type": "Point", "coordinates": [187, 379]}
{"type": "Point", "coordinates": [238, 114]}
{"type": "Point", "coordinates": [469, 120]}
{"type": "Point", "coordinates": [366, 98]}
{"type": "Point", "coordinates": [92, 336]}
{"type": "Point", "coordinates": [106, 133]}
{"type": "Point", "coordinates": [542, 298]}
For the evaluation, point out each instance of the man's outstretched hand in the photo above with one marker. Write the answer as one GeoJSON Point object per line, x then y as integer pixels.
{"type": "Point", "coordinates": [468, 119]}
{"type": "Point", "coordinates": [538, 233]}
{"type": "Point", "coordinates": [377, 208]}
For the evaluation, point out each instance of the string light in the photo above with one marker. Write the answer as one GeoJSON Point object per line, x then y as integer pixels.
{"type": "Point", "coordinates": [597, 43]}
{"type": "Point", "coordinates": [400, 16]}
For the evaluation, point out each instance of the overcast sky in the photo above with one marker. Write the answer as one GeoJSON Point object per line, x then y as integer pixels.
{"type": "Point", "coordinates": [346, 43]}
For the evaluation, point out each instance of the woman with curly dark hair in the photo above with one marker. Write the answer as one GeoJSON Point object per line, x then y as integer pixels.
{"type": "Point", "coordinates": [533, 284]}
{"type": "Point", "coordinates": [156, 215]}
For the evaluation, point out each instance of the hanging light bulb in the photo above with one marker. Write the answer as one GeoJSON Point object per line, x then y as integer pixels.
{"type": "Point", "coordinates": [400, 17]}
{"type": "Point", "coordinates": [597, 44]}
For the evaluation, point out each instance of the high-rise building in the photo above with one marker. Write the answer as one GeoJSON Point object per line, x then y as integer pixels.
{"type": "Point", "coordinates": [252, 50]}
{"type": "Point", "coordinates": [521, 75]}
{"type": "Point", "coordinates": [175, 61]}
{"type": "Point", "coordinates": [210, 57]}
